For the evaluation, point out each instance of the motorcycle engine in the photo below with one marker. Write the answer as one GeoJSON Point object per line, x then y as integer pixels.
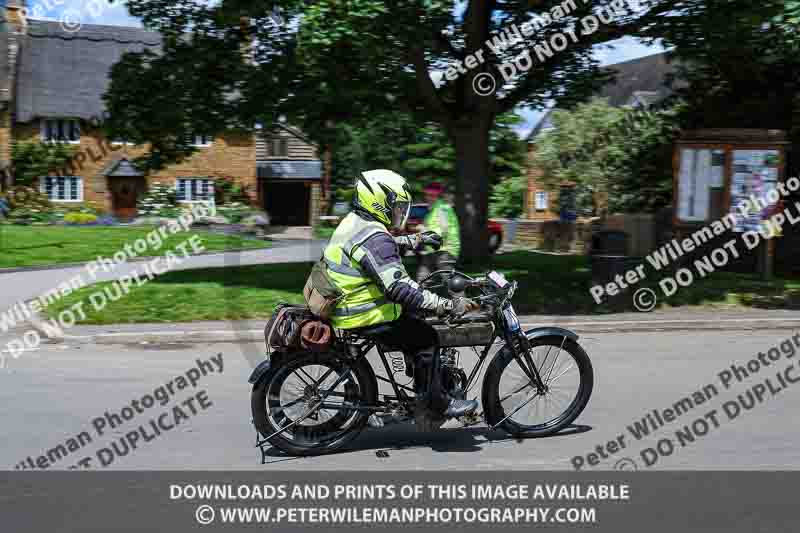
{"type": "Point", "coordinates": [454, 379]}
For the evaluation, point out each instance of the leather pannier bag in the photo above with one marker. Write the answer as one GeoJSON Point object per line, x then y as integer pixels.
{"type": "Point", "coordinates": [320, 292]}
{"type": "Point", "coordinates": [282, 332]}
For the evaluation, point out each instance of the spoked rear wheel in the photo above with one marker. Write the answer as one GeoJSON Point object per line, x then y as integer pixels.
{"type": "Point", "coordinates": [303, 395]}
{"type": "Point", "coordinates": [512, 401]}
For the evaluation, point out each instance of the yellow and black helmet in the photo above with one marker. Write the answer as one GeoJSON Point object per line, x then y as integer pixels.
{"type": "Point", "coordinates": [384, 195]}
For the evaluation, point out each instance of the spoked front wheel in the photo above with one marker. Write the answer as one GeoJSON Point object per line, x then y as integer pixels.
{"type": "Point", "coordinates": [319, 400]}
{"type": "Point", "coordinates": [513, 402]}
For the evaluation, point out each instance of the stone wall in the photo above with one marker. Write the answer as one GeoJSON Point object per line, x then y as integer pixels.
{"type": "Point", "coordinates": [554, 236]}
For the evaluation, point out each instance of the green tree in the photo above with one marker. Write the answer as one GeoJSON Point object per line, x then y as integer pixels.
{"type": "Point", "coordinates": [624, 153]}
{"type": "Point", "coordinates": [737, 64]}
{"type": "Point", "coordinates": [578, 150]}
{"type": "Point", "coordinates": [345, 60]}
{"type": "Point", "coordinates": [420, 153]}
{"type": "Point", "coordinates": [32, 160]}
{"type": "Point", "coordinates": [379, 142]}
{"type": "Point", "coordinates": [508, 197]}
{"type": "Point", "coordinates": [430, 157]}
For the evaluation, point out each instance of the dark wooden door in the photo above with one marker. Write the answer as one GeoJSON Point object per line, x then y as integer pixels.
{"type": "Point", "coordinates": [124, 193]}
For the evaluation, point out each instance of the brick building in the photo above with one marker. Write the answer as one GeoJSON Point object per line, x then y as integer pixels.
{"type": "Point", "coordinates": [51, 91]}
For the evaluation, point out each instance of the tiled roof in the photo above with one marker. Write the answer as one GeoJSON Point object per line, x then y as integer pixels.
{"type": "Point", "coordinates": [643, 75]}
{"type": "Point", "coordinates": [122, 169]}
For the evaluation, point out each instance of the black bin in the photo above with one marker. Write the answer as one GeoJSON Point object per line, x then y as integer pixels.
{"type": "Point", "coordinates": [608, 255]}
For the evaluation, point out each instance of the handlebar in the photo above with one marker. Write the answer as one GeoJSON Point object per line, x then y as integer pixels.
{"type": "Point", "coordinates": [492, 295]}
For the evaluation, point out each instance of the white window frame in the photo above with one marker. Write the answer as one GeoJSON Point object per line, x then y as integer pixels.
{"type": "Point", "coordinates": [45, 127]}
{"type": "Point", "coordinates": [43, 188]}
{"type": "Point", "coordinates": [121, 142]}
{"type": "Point", "coordinates": [202, 141]}
{"type": "Point", "coordinates": [541, 200]}
{"type": "Point", "coordinates": [188, 192]}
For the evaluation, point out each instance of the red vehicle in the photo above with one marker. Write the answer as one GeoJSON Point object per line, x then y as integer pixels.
{"type": "Point", "coordinates": [419, 211]}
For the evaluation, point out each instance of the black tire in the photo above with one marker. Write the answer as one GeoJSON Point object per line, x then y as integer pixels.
{"type": "Point", "coordinates": [291, 441]}
{"type": "Point", "coordinates": [495, 411]}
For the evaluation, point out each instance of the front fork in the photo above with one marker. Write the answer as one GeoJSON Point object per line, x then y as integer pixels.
{"type": "Point", "coordinates": [525, 361]}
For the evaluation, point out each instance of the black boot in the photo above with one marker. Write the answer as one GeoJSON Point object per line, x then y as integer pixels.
{"type": "Point", "coordinates": [459, 408]}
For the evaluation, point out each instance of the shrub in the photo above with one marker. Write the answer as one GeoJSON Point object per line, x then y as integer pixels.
{"type": "Point", "coordinates": [235, 212]}
{"type": "Point", "coordinates": [227, 191]}
{"type": "Point", "coordinates": [89, 208]}
{"type": "Point", "coordinates": [25, 215]}
{"type": "Point", "coordinates": [80, 218]}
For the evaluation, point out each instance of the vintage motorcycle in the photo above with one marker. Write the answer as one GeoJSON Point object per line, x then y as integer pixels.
{"type": "Point", "coordinates": [536, 384]}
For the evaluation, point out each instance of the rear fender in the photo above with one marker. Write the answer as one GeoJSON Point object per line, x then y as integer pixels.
{"type": "Point", "coordinates": [276, 360]}
{"type": "Point", "coordinates": [259, 371]}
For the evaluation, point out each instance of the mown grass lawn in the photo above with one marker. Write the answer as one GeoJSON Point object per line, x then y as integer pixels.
{"type": "Point", "coordinates": [548, 284]}
{"type": "Point", "coordinates": [22, 246]}
{"type": "Point", "coordinates": [229, 293]}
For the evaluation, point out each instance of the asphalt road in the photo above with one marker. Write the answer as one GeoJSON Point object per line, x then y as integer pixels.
{"type": "Point", "coordinates": [55, 393]}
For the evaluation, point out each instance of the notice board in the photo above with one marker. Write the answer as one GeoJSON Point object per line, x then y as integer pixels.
{"type": "Point", "coordinates": [716, 170]}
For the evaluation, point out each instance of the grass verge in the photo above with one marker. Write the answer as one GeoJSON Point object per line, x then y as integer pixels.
{"type": "Point", "coordinates": [22, 246]}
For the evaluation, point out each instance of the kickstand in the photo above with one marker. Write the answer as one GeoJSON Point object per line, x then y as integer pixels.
{"type": "Point", "coordinates": [260, 444]}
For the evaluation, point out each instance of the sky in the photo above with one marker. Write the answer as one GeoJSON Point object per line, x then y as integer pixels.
{"type": "Point", "coordinates": [114, 13]}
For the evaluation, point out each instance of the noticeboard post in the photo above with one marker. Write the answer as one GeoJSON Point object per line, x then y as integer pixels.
{"type": "Point", "coordinates": [715, 171]}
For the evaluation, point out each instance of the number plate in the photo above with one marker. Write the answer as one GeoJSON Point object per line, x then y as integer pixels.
{"type": "Point", "coordinates": [498, 279]}
{"type": "Point", "coordinates": [511, 318]}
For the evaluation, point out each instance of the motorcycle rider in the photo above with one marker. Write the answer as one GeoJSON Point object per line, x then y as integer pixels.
{"type": "Point", "coordinates": [379, 298]}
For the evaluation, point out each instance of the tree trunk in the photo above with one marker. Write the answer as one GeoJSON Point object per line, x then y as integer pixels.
{"type": "Point", "coordinates": [472, 188]}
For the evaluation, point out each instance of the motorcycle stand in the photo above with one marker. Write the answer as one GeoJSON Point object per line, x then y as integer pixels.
{"type": "Point", "coordinates": [261, 445]}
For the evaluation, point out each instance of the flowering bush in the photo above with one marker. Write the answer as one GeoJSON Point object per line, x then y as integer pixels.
{"type": "Point", "coordinates": [27, 197]}
{"type": "Point", "coordinates": [27, 204]}
{"type": "Point", "coordinates": [159, 202]}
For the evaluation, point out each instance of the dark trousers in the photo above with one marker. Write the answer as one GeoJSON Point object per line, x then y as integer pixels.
{"type": "Point", "coordinates": [419, 343]}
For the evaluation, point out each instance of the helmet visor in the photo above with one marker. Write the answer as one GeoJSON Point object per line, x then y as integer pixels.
{"type": "Point", "coordinates": [400, 213]}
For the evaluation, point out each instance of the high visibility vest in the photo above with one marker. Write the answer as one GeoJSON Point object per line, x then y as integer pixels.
{"type": "Point", "coordinates": [363, 303]}
{"type": "Point", "coordinates": [443, 220]}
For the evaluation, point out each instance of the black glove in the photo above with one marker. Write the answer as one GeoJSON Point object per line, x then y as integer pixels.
{"type": "Point", "coordinates": [430, 238]}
